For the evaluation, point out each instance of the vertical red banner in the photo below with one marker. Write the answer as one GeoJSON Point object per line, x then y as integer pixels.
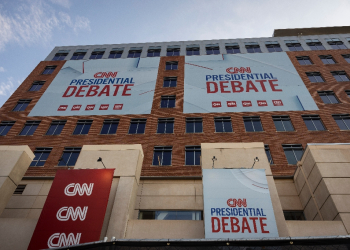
{"type": "Point", "coordinates": [74, 209]}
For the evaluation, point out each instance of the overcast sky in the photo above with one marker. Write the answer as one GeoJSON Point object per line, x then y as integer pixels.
{"type": "Point", "coordinates": [30, 29]}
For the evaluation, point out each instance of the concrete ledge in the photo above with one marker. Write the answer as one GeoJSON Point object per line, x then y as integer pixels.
{"type": "Point", "coordinates": [315, 228]}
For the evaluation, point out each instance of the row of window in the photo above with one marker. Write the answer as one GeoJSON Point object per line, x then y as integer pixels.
{"type": "Point", "coordinates": [326, 59]}
{"type": "Point", "coordinates": [340, 76]}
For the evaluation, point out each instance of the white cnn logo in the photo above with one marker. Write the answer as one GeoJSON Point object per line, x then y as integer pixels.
{"type": "Point", "coordinates": [74, 188]}
{"type": "Point", "coordinates": [62, 240]}
{"type": "Point", "coordinates": [70, 212]}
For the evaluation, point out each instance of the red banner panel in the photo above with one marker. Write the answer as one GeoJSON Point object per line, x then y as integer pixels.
{"type": "Point", "coordinates": [74, 209]}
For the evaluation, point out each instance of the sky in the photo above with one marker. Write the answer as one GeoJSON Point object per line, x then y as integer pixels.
{"type": "Point", "coordinates": [30, 29]}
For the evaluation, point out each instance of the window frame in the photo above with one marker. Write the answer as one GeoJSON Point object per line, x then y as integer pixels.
{"type": "Point", "coordinates": [4, 127]}
{"type": "Point", "coordinates": [212, 49]}
{"type": "Point", "coordinates": [293, 147]}
{"type": "Point", "coordinates": [169, 100]}
{"type": "Point", "coordinates": [110, 122]}
{"type": "Point", "coordinates": [85, 122]}
{"type": "Point", "coordinates": [56, 123]}
{"type": "Point", "coordinates": [313, 77]}
{"type": "Point", "coordinates": [138, 121]}
{"type": "Point", "coordinates": [69, 150]}
{"type": "Point", "coordinates": [339, 74]}
{"type": "Point", "coordinates": [117, 52]}
{"type": "Point", "coordinates": [170, 79]}
{"type": "Point", "coordinates": [251, 119]}
{"type": "Point", "coordinates": [286, 217]}
{"type": "Point", "coordinates": [60, 56]}
{"type": "Point", "coordinates": [341, 117]}
{"type": "Point", "coordinates": [166, 121]}
{"type": "Point", "coordinates": [327, 59]}
{"type": "Point", "coordinates": [313, 118]}
{"type": "Point", "coordinates": [22, 103]}
{"type": "Point", "coordinates": [252, 47]}
{"type": "Point", "coordinates": [304, 59]}
{"type": "Point", "coordinates": [49, 69]}
{"type": "Point", "coordinates": [273, 46]}
{"type": "Point", "coordinates": [41, 151]}
{"type": "Point", "coordinates": [294, 45]}
{"type": "Point", "coordinates": [36, 83]}
{"type": "Point", "coordinates": [154, 214]}
{"type": "Point", "coordinates": [223, 119]}
{"type": "Point", "coordinates": [346, 57]}
{"type": "Point", "coordinates": [174, 51]}
{"type": "Point", "coordinates": [328, 93]}
{"type": "Point", "coordinates": [134, 53]}
{"type": "Point", "coordinates": [193, 50]}
{"type": "Point", "coordinates": [268, 154]}
{"type": "Point", "coordinates": [30, 131]}
{"type": "Point", "coordinates": [162, 149]}
{"type": "Point", "coordinates": [315, 44]}
{"type": "Point", "coordinates": [172, 65]}
{"type": "Point", "coordinates": [153, 52]}
{"type": "Point", "coordinates": [194, 149]}
{"type": "Point", "coordinates": [78, 55]}
{"type": "Point", "coordinates": [96, 55]}
{"type": "Point", "coordinates": [282, 119]}
{"type": "Point", "coordinates": [193, 120]}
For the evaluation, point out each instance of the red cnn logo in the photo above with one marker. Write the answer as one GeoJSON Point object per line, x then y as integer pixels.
{"type": "Point", "coordinates": [104, 106]}
{"type": "Point", "coordinates": [118, 107]}
{"type": "Point", "coordinates": [76, 107]}
{"type": "Point", "coordinates": [262, 103]}
{"type": "Point", "coordinates": [216, 104]}
{"type": "Point", "coordinates": [62, 108]}
{"type": "Point", "coordinates": [277, 102]}
{"type": "Point", "coordinates": [90, 107]}
{"type": "Point", "coordinates": [237, 202]}
{"type": "Point", "coordinates": [235, 70]}
{"type": "Point", "coordinates": [231, 104]}
{"type": "Point", "coordinates": [105, 74]}
{"type": "Point", "coordinates": [246, 103]}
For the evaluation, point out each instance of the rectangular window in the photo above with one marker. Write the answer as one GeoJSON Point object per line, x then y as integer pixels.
{"type": "Point", "coordinates": [171, 65]}
{"type": "Point", "coordinates": [327, 59]}
{"type": "Point", "coordinates": [165, 125]}
{"type": "Point", "coordinates": [340, 76]}
{"type": "Point", "coordinates": [170, 215]}
{"type": "Point", "coordinates": [134, 52]}
{"type": "Point", "coordinates": [60, 55]}
{"type": "Point", "coordinates": [194, 125]}
{"type": "Point", "coordinates": [252, 47]}
{"type": "Point", "coordinates": [304, 60]}
{"type": "Point", "coordinates": [328, 97]}
{"type": "Point", "coordinates": [173, 50]}
{"type": "Point", "coordinates": [153, 51]}
{"type": "Point", "coordinates": [294, 45]}
{"type": "Point", "coordinates": [22, 104]}
{"type": "Point", "coordinates": [170, 82]}
{"type": "Point", "coordinates": [192, 50]}
{"type": "Point", "coordinates": [335, 43]}
{"type": "Point", "coordinates": [313, 122]}
{"type": "Point", "coordinates": [83, 127]}
{"type": "Point", "coordinates": [56, 127]}
{"type": "Point", "coordinates": [79, 54]}
{"type": "Point", "coordinates": [19, 189]}
{"type": "Point", "coordinates": [162, 155]}
{"type": "Point", "coordinates": [223, 124]}
{"type": "Point", "coordinates": [315, 44]}
{"type": "Point", "coordinates": [343, 121]}
{"type": "Point", "coordinates": [5, 126]}
{"type": "Point", "coordinates": [293, 153]}
{"type": "Point", "coordinates": [212, 49]}
{"type": "Point", "coordinates": [116, 53]}
{"type": "Point", "coordinates": [109, 126]}
{"type": "Point", "coordinates": [252, 124]}
{"type": "Point", "coordinates": [268, 154]}
{"type": "Point", "coordinates": [282, 123]}
{"type": "Point", "coordinates": [168, 101]}
{"type": "Point", "coordinates": [314, 76]}
{"type": "Point", "coordinates": [29, 127]}
{"type": "Point", "coordinates": [137, 126]}
{"type": "Point", "coordinates": [273, 46]}
{"type": "Point", "coordinates": [193, 155]}
{"type": "Point", "coordinates": [41, 155]}
{"type": "Point", "coordinates": [36, 86]}
{"type": "Point", "coordinates": [69, 157]}
{"type": "Point", "coordinates": [347, 57]}
{"type": "Point", "coordinates": [49, 70]}
{"type": "Point", "coordinates": [294, 215]}
{"type": "Point", "coordinates": [347, 92]}
{"type": "Point", "coordinates": [232, 48]}
{"type": "Point", "coordinates": [97, 53]}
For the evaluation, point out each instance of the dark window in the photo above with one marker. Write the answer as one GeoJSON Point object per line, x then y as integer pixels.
{"type": "Point", "coordinates": [313, 122]}
{"type": "Point", "coordinates": [212, 49]}
{"type": "Point", "coordinates": [335, 43]}
{"type": "Point", "coordinates": [273, 46]}
{"type": "Point", "coordinates": [5, 126]}
{"type": "Point", "coordinates": [171, 65]}
{"type": "Point", "coordinates": [252, 124]}
{"type": "Point", "coordinates": [327, 59]}
{"type": "Point", "coordinates": [36, 86]}
{"type": "Point", "coordinates": [137, 126]}
{"type": "Point", "coordinates": [165, 125]}
{"type": "Point", "coordinates": [116, 53]}
{"type": "Point", "coordinates": [97, 54]}
{"type": "Point", "coordinates": [268, 154]}
{"type": "Point", "coordinates": [343, 121]}
{"type": "Point", "coordinates": [153, 52]}
{"type": "Point", "coordinates": [22, 105]}
{"type": "Point", "coordinates": [347, 92]}
{"type": "Point", "coordinates": [194, 125]}
{"type": "Point", "coordinates": [294, 45]}
{"type": "Point", "coordinates": [170, 82]}
{"type": "Point", "coordinates": [223, 124]}
{"type": "Point", "coordinates": [162, 155]}
{"type": "Point", "coordinates": [78, 55]}
{"type": "Point", "coordinates": [304, 60]}
{"type": "Point", "coordinates": [252, 47]}
{"type": "Point", "coordinates": [328, 97]}
{"type": "Point", "coordinates": [69, 156]}
{"type": "Point", "coordinates": [170, 215]}
{"type": "Point", "coordinates": [56, 127]}
{"type": "Point", "coordinates": [293, 153]}
{"type": "Point", "coordinates": [41, 155]}
{"type": "Point", "coordinates": [134, 53]}
{"type": "Point", "coordinates": [59, 56]}
{"type": "Point", "coordinates": [294, 215]}
{"type": "Point", "coordinates": [347, 57]}
{"type": "Point", "coordinates": [29, 127]}
{"type": "Point", "coordinates": [192, 50]}
{"type": "Point", "coordinates": [83, 127]}
{"type": "Point", "coordinates": [19, 189]}
{"type": "Point", "coordinates": [340, 76]}
{"type": "Point", "coordinates": [232, 48]}
{"type": "Point", "coordinates": [283, 123]}
{"type": "Point", "coordinates": [109, 126]}
{"type": "Point", "coordinates": [173, 51]}
{"type": "Point", "coordinates": [193, 155]}
{"type": "Point", "coordinates": [314, 44]}
{"type": "Point", "coordinates": [49, 70]}
{"type": "Point", "coordinates": [314, 76]}
{"type": "Point", "coordinates": [168, 101]}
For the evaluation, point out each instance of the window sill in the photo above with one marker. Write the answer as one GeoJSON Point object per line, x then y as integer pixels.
{"type": "Point", "coordinates": [165, 133]}
{"type": "Point", "coordinates": [161, 165]}
{"type": "Point", "coordinates": [255, 131]}
{"type": "Point", "coordinates": [224, 132]}
{"type": "Point", "coordinates": [107, 134]}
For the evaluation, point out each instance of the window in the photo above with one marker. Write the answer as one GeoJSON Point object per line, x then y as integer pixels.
{"type": "Point", "coordinates": [69, 157]}
{"type": "Point", "coordinates": [170, 82]}
{"type": "Point", "coordinates": [5, 126]}
{"type": "Point", "coordinates": [22, 104]}
{"type": "Point", "coordinates": [41, 155]}
{"type": "Point", "coordinates": [293, 153]}
{"type": "Point", "coordinates": [294, 45]}
{"type": "Point", "coordinates": [268, 154]}
{"type": "Point", "coordinates": [79, 54]}
{"type": "Point", "coordinates": [304, 60]}
{"type": "Point", "coordinates": [134, 52]}
{"type": "Point", "coordinates": [171, 65]}
{"type": "Point", "coordinates": [56, 127]}
{"type": "Point", "coordinates": [232, 48]}
{"type": "Point", "coordinates": [282, 123]}
{"type": "Point", "coordinates": [60, 55]}
{"type": "Point", "coordinates": [294, 215]}
{"type": "Point", "coordinates": [340, 76]}
{"type": "Point", "coordinates": [314, 44]}
{"type": "Point", "coordinates": [116, 53]}
{"type": "Point", "coordinates": [273, 46]}
{"type": "Point", "coordinates": [167, 101]}
{"type": "Point", "coordinates": [343, 121]}
{"type": "Point", "coordinates": [252, 47]}
{"type": "Point", "coordinates": [223, 124]}
{"type": "Point", "coordinates": [153, 51]}
{"type": "Point", "coordinates": [194, 125]}
{"type": "Point", "coordinates": [335, 43]}
{"type": "Point", "coordinates": [83, 127]}
{"type": "Point", "coordinates": [137, 126]}
{"type": "Point", "coordinates": [165, 125]}
{"type": "Point", "coordinates": [192, 50]}
{"type": "Point", "coordinates": [328, 97]}
{"type": "Point", "coordinates": [212, 49]}
{"type": "Point", "coordinates": [109, 126]}
{"type": "Point", "coordinates": [29, 127]}
{"type": "Point", "coordinates": [193, 155]}
{"type": "Point", "coordinates": [347, 92]}
{"type": "Point", "coordinates": [252, 124]}
{"type": "Point", "coordinates": [313, 122]}
{"type": "Point", "coordinates": [347, 57]}
{"type": "Point", "coordinates": [327, 59]}
{"type": "Point", "coordinates": [19, 189]}
{"type": "Point", "coordinates": [162, 155]}
{"type": "Point", "coordinates": [173, 50]}
{"type": "Point", "coordinates": [170, 215]}
{"type": "Point", "coordinates": [49, 70]}
{"type": "Point", "coordinates": [314, 76]}
{"type": "Point", "coordinates": [36, 86]}
{"type": "Point", "coordinates": [97, 53]}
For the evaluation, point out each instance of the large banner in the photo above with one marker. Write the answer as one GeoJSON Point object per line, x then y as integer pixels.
{"type": "Point", "coordinates": [100, 87]}
{"type": "Point", "coordinates": [237, 204]}
{"type": "Point", "coordinates": [74, 209]}
{"type": "Point", "coordinates": [244, 83]}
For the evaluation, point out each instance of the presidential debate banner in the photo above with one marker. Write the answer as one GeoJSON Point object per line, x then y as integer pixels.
{"type": "Point", "coordinates": [74, 209]}
{"type": "Point", "coordinates": [237, 204]}
{"type": "Point", "coordinates": [100, 87]}
{"type": "Point", "coordinates": [244, 83]}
